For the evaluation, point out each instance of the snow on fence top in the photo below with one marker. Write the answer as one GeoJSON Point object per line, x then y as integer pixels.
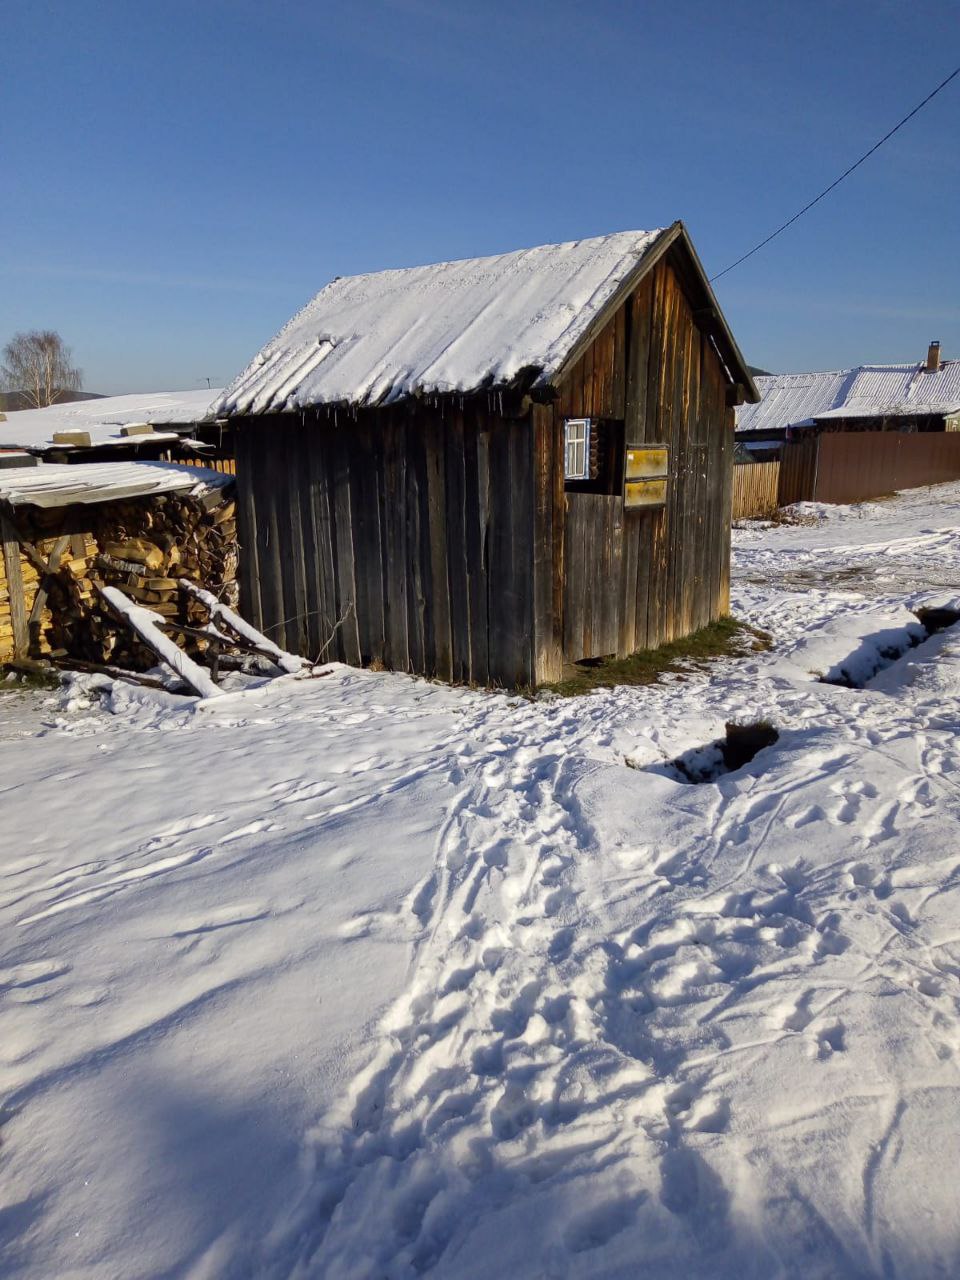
{"type": "Point", "coordinates": [867, 391]}
{"type": "Point", "coordinates": [49, 485]}
{"type": "Point", "coordinates": [103, 418]}
{"type": "Point", "coordinates": [451, 327]}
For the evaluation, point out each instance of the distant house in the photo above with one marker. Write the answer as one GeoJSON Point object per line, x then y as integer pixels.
{"type": "Point", "coordinates": [108, 428]}
{"type": "Point", "coordinates": [799, 414]}
{"type": "Point", "coordinates": [879, 397]}
{"type": "Point", "coordinates": [484, 469]}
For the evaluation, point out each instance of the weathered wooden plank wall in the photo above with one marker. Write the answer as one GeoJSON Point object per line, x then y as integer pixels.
{"type": "Point", "coordinates": [633, 579]}
{"type": "Point", "coordinates": [403, 537]}
{"type": "Point", "coordinates": [756, 486]}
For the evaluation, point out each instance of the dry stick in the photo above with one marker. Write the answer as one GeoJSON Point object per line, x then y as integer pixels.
{"type": "Point", "coordinates": [117, 673]}
{"type": "Point", "coordinates": [330, 639]}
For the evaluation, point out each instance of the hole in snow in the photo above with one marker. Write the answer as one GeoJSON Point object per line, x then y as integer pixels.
{"type": "Point", "coordinates": [879, 652]}
{"type": "Point", "coordinates": [742, 743]}
{"type": "Point", "coordinates": [935, 619]}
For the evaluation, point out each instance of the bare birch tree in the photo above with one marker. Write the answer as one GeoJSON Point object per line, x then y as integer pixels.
{"type": "Point", "coordinates": [38, 365]}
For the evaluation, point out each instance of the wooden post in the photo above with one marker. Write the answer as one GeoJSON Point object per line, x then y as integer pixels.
{"type": "Point", "coordinates": [18, 605]}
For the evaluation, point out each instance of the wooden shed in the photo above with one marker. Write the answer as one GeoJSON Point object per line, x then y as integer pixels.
{"type": "Point", "coordinates": [483, 470]}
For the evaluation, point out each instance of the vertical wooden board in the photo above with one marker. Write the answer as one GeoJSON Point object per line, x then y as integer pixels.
{"type": "Point", "coordinates": [573, 604]}
{"type": "Point", "coordinates": [654, 429]}
{"type": "Point", "coordinates": [417, 544]}
{"type": "Point", "coordinates": [345, 548]}
{"type": "Point", "coordinates": [602, 371]}
{"type": "Point", "coordinates": [325, 637]}
{"type": "Point", "coordinates": [714, 391]}
{"type": "Point", "coordinates": [677, 501]}
{"type": "Point", "coordinates": [639, 371]}
{"type": "Point", "coordinates": [646, 569]}
{"type": "Point", "coordinates": [291, 540]}
{"type": "Point", "coordinates": [397, 653]}
{"type": "Point", "coordinates": [613, 569]}
{"type": "Point", "coordinates": [618, 380]}
{"type": "Point", "coordinates": [283, 482]}
{"type": "Point", "coordinates": [547, 638]}
{"type": "Point", "coordinates": [16, 600]}
{"type": "Point", "coordinates": [440, 609]}
{"type": "Point", "coordinates": [271, 487]}
{"type": "Point", "coordinates": [522, 496]}
{"type": "Point", "coordinates": [476, 477]}
{"type": "Point", "coordinates": [658, 428]}
{"type": "Point", "coordinates": [710, 431]}
{"type": "Point", "coordinates": [502, 605]}
{"type": "Point", "coordinates": [681, 435]}
{"type": "Point", "coordinates": [363, 444]}
{"type": "Point", "coordinates": [693, 566]}
{"type": "Point", "coordinates": [559, 531]}
{"type": "Point", "coordinates": [627, 638]}
{"type": "Point", "coordinates": [248, 448]}
{"type": "Point", "coordinates": [690, 539]}
{"type": "Point", "coordinates": [673, 358]}
{"type": "Point", "coordinates": [586, 570]}
{"type": "Point", "coordinates": [709, 436]}
{"type": "Point", "coordinates": [456, 546]}
{"type": "Point", "coordinates": [726, 464]}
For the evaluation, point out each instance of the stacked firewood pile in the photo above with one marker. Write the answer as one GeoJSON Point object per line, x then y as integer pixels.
{"type": "Point", "coordinates": [144, 546]}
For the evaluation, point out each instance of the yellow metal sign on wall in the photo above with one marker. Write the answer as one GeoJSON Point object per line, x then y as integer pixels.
{"type": "Point", "coordinates": [646, 474]}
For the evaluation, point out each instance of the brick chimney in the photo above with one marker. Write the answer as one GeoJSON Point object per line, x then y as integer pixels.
{"type": "Point", "coordinates": [933, 357]}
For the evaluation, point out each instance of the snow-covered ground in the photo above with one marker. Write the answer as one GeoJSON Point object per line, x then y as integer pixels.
{"type": "Point", "coordinates": [360, 976]}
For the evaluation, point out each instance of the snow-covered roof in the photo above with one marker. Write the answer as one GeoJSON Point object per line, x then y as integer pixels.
{"type": "Point", "coordinates": [59, 485]}
{"type": "Point", "coordinates": [867, 391]}
{"type": "Point", "coordinates": [451, 327]}
{"type": "Point", "coordinates": [103, 418]}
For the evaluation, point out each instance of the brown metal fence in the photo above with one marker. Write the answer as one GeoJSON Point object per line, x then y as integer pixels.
{"type": "Point", "coordinates": [853, 466]}
{"type": "Point", "coordinates": [755, 489]}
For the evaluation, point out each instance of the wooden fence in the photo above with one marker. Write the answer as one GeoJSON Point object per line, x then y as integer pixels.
{"type": "Point", "coordinates": [755, 489]}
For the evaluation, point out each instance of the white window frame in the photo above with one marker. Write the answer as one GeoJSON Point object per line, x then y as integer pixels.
{"type": "Point", "coordinates": [576, 448]}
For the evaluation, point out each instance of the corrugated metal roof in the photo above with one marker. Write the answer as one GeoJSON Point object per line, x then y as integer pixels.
{"type": "Point", "coordinates": [446, 328]}
{"type": "Point", "coordinates": [867, 391]}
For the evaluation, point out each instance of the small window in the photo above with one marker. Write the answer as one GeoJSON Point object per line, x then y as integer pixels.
{"type": "Point", "coordinates": [593, 455]}
{"type": "Point", "coordinates": [576, 455]}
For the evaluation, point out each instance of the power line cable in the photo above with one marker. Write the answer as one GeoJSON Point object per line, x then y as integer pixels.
{"type": "Point", "coordinates": [846, 173]}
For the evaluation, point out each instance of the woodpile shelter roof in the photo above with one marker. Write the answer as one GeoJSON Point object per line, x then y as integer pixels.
{"type": "Point", "coordinates": [453, 327]}
{"type": "Point", "coordinates": [49, 485]}
{"type": "Point", "coordinates": [104, 418]}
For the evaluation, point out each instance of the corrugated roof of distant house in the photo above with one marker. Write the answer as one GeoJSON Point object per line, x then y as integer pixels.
{"type": "Point", "coordinates": [453, 327]}
{"type": "Point", "coordinates": [867, 391]}
{"type": "Point", "coordinates": [102, 418]}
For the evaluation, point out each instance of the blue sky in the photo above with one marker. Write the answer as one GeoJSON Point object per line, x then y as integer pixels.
{"type": "Point", "coordinates": [179, 178]}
